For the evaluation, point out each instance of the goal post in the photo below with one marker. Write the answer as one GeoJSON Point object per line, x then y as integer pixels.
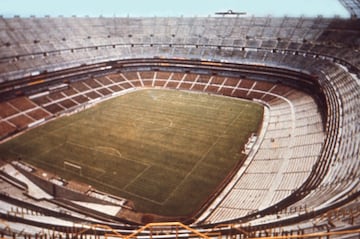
{"type": "Point", "coordinates": [72, 167]}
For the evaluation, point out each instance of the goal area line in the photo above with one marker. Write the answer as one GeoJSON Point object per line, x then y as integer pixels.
{"type": "Point", "coordinates": [70, 165]}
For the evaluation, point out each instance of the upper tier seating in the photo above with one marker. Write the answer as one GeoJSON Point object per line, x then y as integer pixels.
{"type": "Point", "coordinates": [310, 162]}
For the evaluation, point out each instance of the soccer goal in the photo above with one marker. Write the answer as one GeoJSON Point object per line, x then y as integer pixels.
{"type": "Point", "coordinates": [71, 167]}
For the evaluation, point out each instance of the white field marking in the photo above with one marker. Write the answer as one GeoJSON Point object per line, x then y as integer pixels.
{"type": "Point", "coordinates": [117, 188]}
{"type": "Point", "coordinates": [134, 179]}
{"type": "Point", "coordinates": [203, 156]}
{"type": "Point", "coordinates": [90, 148]}
{"type": "Point", "coordinates": [42, 152]}
{"type": "Point", "coordinates": [99, 170]}
{"type": "Point", "coordinates": [170, 124]}
{"type": "Point", "coordinates": [106, 149]}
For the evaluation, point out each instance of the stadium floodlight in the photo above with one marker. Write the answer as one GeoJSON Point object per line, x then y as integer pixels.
{"type": "Point", "coordinates": [230, 12]}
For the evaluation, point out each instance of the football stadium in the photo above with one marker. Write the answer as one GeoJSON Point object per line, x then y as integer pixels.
{"type": "Point", "coordinates": [225, 126]}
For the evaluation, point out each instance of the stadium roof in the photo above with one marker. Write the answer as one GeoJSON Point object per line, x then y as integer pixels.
{"type": "Point", "coordinates": [145, 8]}
{"type": "Point", "coordinates": [353, 6]}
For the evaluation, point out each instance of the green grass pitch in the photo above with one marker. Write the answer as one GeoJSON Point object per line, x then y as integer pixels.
{"type": "Point", "coordinates": [165, 150]}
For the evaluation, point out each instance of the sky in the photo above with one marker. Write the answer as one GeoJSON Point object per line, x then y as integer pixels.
{"type": "Point", "coordinates": [164, 8]}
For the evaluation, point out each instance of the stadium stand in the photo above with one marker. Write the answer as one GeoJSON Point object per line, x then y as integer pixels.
{"type": "Point", "coordinates": [304, 70]}
{"type": "Point", "coordinates": [352, 6]}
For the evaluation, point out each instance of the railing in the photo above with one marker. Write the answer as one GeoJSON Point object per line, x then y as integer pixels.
{"type": "Point", "coordinates": [153, 230]}
{"type": "Point", "coordinates": [179, 230]}
{"type": "Point", "coordinates": [176, 230]}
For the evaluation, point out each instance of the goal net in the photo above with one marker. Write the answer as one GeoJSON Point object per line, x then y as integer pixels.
{"type": "Point", "coordinates": [72, 167]}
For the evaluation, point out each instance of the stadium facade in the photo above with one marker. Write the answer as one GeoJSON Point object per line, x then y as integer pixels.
{"type": "Point", "coordinates": [305, 71]}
